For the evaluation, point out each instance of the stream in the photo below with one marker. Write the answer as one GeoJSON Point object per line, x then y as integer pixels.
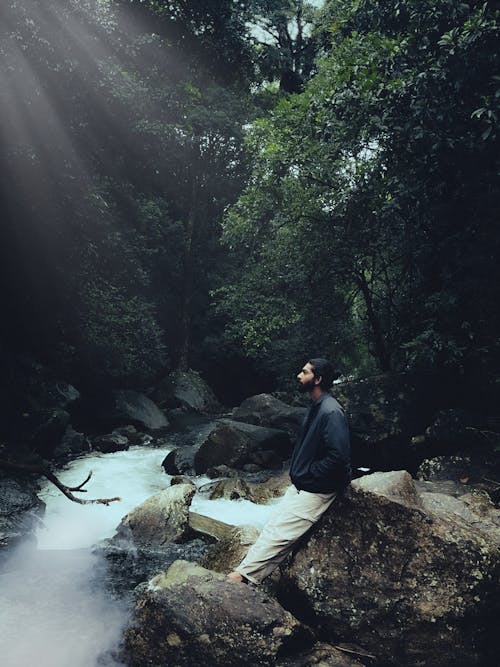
{"type": "Point", "coordinates": [55, 609]}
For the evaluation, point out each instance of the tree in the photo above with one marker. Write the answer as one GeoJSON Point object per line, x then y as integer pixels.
{"type": "Point", "coordinates": [373, 189]}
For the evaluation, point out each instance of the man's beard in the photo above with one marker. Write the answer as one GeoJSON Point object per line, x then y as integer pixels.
{"type": "Point", "coordinates": [306, 387]}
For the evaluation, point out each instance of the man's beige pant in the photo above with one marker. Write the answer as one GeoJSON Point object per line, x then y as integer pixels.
{"type": "Point", "coordinates": [296, 513]}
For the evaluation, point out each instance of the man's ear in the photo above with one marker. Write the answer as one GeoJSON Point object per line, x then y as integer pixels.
{"type": "Point", "coordinates": [317, 380]}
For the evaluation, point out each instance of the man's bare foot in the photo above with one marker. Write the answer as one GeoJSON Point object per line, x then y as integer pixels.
{"type": "Point", "coordinates": [236, 578]}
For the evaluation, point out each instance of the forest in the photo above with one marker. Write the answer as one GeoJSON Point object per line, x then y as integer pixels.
{"type": "Point", "coordinates": [202, 201]}
{"type": "Point", "coordinates": [233, 186]}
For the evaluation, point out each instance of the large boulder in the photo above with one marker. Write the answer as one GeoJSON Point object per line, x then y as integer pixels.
{"type": "Point", "coordinates": [160, 519]}
{"type": "Point", "coordinates": [72, 444]}
{"type": "Point", "coordinates": [192, 616]}
{"type": "Point", "coordinates": [414, 579]}
{"type": "Point", "coordinates": [231, 443]}
{"type": "Point", "coordinates": [132, 407]}
{"type": "Point", "coordinates": [111, 442]}
{"type": "Point", "coordinates": [188, 391]}
{"type": "Point", "coordinates": [266, 410]}
{"type": "Point", "coordinates": [236, 444]}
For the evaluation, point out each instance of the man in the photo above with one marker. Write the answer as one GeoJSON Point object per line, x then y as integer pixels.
{"type": "Point", "coordinates": [320, 469]}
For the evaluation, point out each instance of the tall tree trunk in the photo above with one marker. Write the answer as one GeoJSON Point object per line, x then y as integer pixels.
{"type": "Point", "coordinates": [187, 288]}
{"type": "Point", "coordinates": [382, 353]}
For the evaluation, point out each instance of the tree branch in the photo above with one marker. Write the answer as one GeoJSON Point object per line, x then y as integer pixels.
{"type": "Point", "coordinates": [66, 490]}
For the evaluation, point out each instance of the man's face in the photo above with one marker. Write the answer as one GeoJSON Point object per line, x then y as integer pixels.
{"type": "Point", "coordinates": [306, 379]}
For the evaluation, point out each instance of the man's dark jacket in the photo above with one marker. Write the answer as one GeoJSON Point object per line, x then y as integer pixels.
{"type": "Point", "coordinates": [321, 460]}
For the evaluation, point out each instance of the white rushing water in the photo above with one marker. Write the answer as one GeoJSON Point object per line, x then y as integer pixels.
{"type": "Point", "coordinates": [53, 609]}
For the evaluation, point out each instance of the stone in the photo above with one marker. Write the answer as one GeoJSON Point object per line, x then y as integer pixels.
{"type": "Point", "coordinates": [72, 445]}
{"type": "Point", "coordinates": [231, 547]}
{"type": "Point", "coordinates": [234, 444]}
{"type": "Point", "coordinates": [20, 511]}
{"type": "Point", "coordinates": [191, 616]}
{"type": "Point", "coordinates": [112, 442]}
{"type": "Point", "coordinates": [232, 488]}
{"type": "Point", "coordinates": [136, 408]}
{"type": "Point", "coordinates": [266, 410]}
{"type": "Point", "coordinates": [325, 655]}
{"type": "Point", "coordinates": [47, 436]}
{"type": "Point", "coordinates": [473, 471]}
{"type": "Point", "coordinates": [229, 443]}
{"type": "Point", "coordinates": [131, 433]}
{"type": "Point", "coordinates": [274, 487]}
{"type": "Point", "coordinates": [187, 391]}
{"type": "Point", "coordinates": [414, 580]}
{"type": "Point", "coordinates": [161, 518]}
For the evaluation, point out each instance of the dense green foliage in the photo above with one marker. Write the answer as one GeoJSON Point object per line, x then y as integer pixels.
{"type": "Point", "coordinates": [349, 154]}
{"type": "Point", "coordinates": [370, 219]}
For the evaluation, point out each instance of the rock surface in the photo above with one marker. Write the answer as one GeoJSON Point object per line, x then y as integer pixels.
{"type": "Point", "coordinates": [132, 407]}
{"type": "Point", "coordinates": [192, 616]}
{"type": "Point", "coordinates": [112, 442]}
{"type": "Point", "coordinates": [235, 444]}
{"type": "Point", "coordinates": [160, 519]}
{"type": "Point", "coordinates": [266, 410]}
{"type": "Point", "coordinates": [230, 443]}
{"type": "Point", "coordinates": [411, 580]}
{"type": "Point", "coordinates": [20, 509]}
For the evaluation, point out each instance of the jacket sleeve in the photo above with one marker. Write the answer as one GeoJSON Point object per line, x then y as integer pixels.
{"type": "Point", "coordinates": [335, 434]}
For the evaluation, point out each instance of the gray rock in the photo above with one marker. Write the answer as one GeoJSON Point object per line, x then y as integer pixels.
{"type": "Point", "coordinates": [160, 519]}
{"type": "Point", "coordinates": [20, 511]}
{"type": "Point", "coordinates": [131, 406]}
{"type": "Point", "coordinates": [229, 443]}
{"type": "Point", "coordinates": [266, 410]}
{"type": "Point", "coordinates": [400, 574]}
{"type": "Point", "coordinates": [188, 391]}
{"type": "Point", "coordinates": [325, 655]}
{"type": "Point", "coordinates": [235, 444]}
{"type": "Point", "coordinates": [112, 442]}
{"type": "Point", "coordinates": [192, 616]}
{"type": "Point", "coordinates": [72, 444]}
{"type": "Point", "coordinates": [230, 549]}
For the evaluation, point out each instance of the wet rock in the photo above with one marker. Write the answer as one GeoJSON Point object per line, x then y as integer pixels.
{"type": "Point", "coordinates": [409, 578]}
{"type": "Point", "coordinates": [192, 616]}
{"type": "Point", "coordinates": [229, 443]}
{"type": "Point", "coordinates": [72, 445]}
{"type": "Point", "coordinates": [20, 511]}
{"type": "Point", "coordinates": [162, 518]}
{"type": "Point", "coordinates": [188, 391]}
{"type": "Point", "coordinates": [128, 565]}
{"type": "Point", "coordinates": [180, 461]}
{"type": "Point", "coordinates": [232, 488]}
{"type": "Point", "coordinates": [181, 479]}
{"type": "Point", "coordinates": [325, 655]}
{"type": "Point", "coordinates": [234, 444]}
{"type": "Point", "coordinates": [274, 487]}
{"type": "Point", "coordinates": [221, 471]}
{"type": "Point", "coordinates": [131, 433]}
{"type": "Point", "coordinates": [266, 410]}
{"type": "Point", "coordinates": [132, 407]}
{"type": "Point", "coordinates": [112, 442]}
{"type": "Point", "coordinates": [230, 548]}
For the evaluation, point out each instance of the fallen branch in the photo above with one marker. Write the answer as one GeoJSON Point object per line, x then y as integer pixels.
{"type": "Point", "coordinates": [66, 490]}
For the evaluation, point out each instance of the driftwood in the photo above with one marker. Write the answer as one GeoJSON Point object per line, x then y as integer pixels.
{"type": "Point", "coordinates": [66, 490]}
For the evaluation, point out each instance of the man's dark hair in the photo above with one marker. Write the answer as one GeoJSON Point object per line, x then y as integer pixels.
{"type": "Point", "coordinates": [324, 369]}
